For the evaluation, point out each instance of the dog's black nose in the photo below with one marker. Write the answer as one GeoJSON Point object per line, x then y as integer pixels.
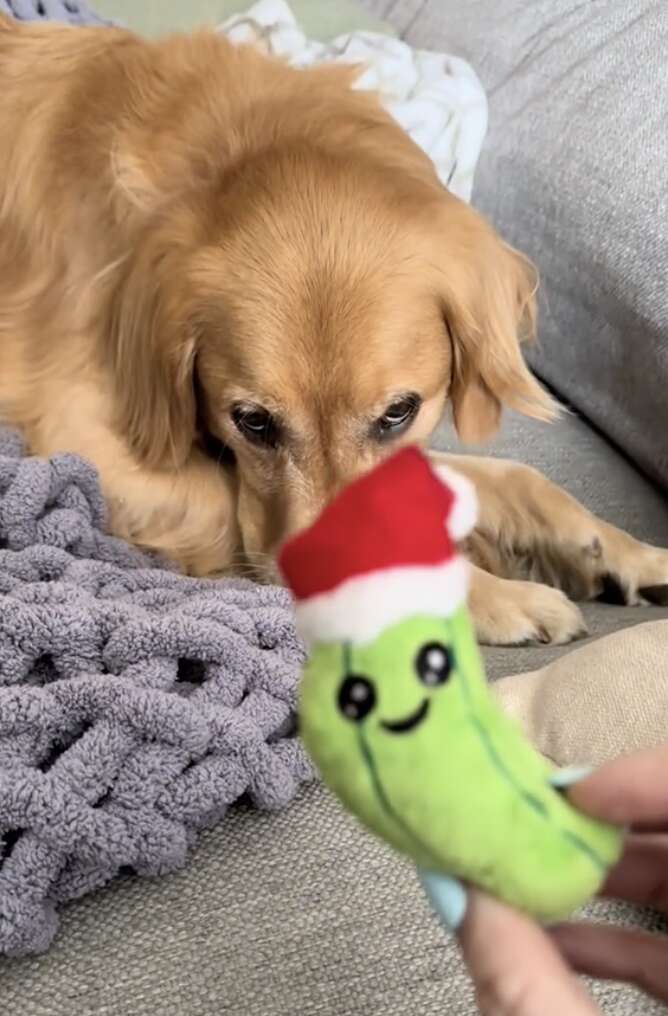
{"type": "Point", "coordinates": [357, 697]}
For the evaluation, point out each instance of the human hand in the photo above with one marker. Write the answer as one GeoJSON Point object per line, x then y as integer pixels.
{"type": "Point", "coordinates": [519, 969]}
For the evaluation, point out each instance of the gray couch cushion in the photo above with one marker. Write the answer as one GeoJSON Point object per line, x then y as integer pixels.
{"type": "Point", "coordinates": [575, 173]}
{"type": "Point", "coordinates": [301, 912]}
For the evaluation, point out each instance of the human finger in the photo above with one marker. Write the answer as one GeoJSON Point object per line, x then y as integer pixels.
{"type": "Point", "coordinates": [516, 968]}
{"type": "Point", "coordinates": [616, 954]}
{"type": "Point", "coordinates": [630, 791]}
{"type": "Point", "coordinates": [641, 876]}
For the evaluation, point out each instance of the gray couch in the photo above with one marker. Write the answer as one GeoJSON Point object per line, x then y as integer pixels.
{"type": "Point", "coordinates": [301, 914]}
{"type": "Point", "coordinates": [575, 172]}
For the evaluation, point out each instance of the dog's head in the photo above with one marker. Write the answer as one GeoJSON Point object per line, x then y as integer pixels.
{"type": "Point", "coordinates": [316, 304]}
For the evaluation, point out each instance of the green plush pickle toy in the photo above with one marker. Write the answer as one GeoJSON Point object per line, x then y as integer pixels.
{"type": "Point", "coordinates": [396, 713]}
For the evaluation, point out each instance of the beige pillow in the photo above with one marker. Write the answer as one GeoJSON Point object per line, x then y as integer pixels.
{"type": "Point", "coordinates": [607, 698]}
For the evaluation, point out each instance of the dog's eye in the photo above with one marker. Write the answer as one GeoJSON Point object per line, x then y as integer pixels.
{"type": "Point", "coordinates": [257, 425]}
{"type": "Point", "coordinates": [397, 416]}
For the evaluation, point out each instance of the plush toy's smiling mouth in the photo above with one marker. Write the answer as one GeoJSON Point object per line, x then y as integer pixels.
{"type": "Point", "coordinates": [408, 722]}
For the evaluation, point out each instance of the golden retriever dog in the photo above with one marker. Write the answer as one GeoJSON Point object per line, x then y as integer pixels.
{"type": "Point", "coordinates": [233, 286]}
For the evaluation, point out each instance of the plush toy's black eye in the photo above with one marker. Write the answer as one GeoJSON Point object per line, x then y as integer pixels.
{"type": "Point", "coordinates": [433, 664]}
{"type": "Point", "coordinates": [357, 697]}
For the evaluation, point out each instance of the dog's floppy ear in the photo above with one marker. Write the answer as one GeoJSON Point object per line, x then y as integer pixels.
{"type": "Point", "coordinates": [489, 293]}
{"type": "Point", "coordinates": [151, 345]}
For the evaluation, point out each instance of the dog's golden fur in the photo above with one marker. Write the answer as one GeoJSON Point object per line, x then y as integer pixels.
{"type": "Point", "coordinates": [192, 234]}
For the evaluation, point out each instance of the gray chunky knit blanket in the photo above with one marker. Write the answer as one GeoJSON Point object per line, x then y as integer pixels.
{"type": "Point", "coordinates": [136, 704]}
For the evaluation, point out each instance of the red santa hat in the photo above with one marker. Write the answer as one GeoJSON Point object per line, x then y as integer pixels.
{"type": "Point", "coordinates": [382, 550]}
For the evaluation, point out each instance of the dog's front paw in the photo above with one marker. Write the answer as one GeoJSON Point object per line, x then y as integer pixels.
{"type": "Point", "coordinates": [508, 613]}
{"type": "Point", "coordinates": [635, 573]}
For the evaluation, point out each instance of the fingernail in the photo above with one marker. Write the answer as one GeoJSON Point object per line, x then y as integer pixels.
{"type": "Point", "coordinates": [566, 777]}
{"type": "Point", "coordinates": [446, 895]}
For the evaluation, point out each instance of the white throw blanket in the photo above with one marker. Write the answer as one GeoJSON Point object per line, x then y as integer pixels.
{"type": "Point", "coordinates": [437, 99]}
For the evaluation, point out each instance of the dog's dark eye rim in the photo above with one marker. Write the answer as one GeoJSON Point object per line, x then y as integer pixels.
{"type": "Point", "coordinates": [398, 415]}
{"type": "Point", "coordinates": [257, 425]}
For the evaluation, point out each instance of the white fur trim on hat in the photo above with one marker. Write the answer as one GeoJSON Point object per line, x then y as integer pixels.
{"type": "Point", "coordinates": [361, 607]}
{"type": "Point", "coordinates": [464, 514]}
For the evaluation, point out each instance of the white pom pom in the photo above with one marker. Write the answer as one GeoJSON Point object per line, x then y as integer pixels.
{"type": "Point", "coordinates": [464, 513]}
